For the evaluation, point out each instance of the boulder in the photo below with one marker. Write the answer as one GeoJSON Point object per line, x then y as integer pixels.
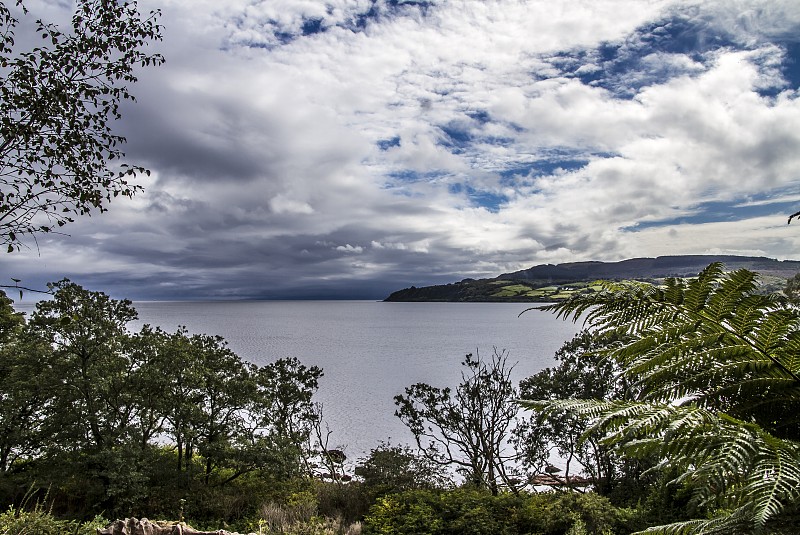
{"type": "Point", "coordinates": [143, 526]}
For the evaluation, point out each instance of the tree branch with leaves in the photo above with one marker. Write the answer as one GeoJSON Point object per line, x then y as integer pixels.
{"type": "Point", "coordinates": [466, 428]}
{"type": "Point", "coordinates": [59, 156]}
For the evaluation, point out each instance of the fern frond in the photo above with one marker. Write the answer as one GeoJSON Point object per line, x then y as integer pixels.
{"type": "Point", "coordinates": [735, 522]}
{"type": "Point", "coordinates": [776, 478]}
{"type": "Point", "coordinates": [753, 473]}
{"type": "Point", "coordinates": [696, 295]}
{"type": "Point", "coordinates": [717, 371]}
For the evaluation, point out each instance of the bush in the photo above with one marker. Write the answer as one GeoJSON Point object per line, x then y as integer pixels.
{"type": "Point", "coordinates": [406, 513]}
{"type": "Point", "coordinates": [349, 502]}
{"type": "Point", "coordinates": [40, 522]}
{"type": "Point", "coordinates": [557, 513]}
{"type": "Point", "coordinates": [470, 511]}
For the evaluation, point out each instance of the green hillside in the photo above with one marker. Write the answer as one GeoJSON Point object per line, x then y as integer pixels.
{"type": "Point", "coordinates": [548, 283]}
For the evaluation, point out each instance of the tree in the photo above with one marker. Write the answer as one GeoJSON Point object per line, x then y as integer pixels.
{"type": "Point", "coordinates": [96, 416]}
{"type": "Point", "coordinates": [792, 289]}
{"type": "Point", "coordinates": [285, 413]}
{"type": "Point", "coordinates": [582, 373]}
{"type": "Point", "coordinates": [466, 428]}
{"type": "Point", "coordinates": [21, 393]}
{"type": "Point", "coordinates": [718, 373]}
{"type": "Point", "coordinates": [95, 424]}
{"type": "Point", "coordinates": [233, 416]}
{"type": "Point", "coordinates": [390, 468]}
{"type": "Point", "coordinates": [58, 154]}
{"type": "Point", "coordinates": [91, 399]}
{"type": "Point", "coordinates": [220, 391]}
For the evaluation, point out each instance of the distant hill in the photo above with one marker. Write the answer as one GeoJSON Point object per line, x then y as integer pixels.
{"type": "Point", "coordinates": [548, 282]}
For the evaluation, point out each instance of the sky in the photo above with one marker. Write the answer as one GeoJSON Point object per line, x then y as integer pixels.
{"type": "Point", "coordinates": [348, 148]}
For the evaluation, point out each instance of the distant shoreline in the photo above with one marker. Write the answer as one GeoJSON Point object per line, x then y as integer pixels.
{"type": "Point", "coordinates": [548, 282]}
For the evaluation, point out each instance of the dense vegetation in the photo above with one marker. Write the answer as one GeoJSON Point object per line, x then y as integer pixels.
{"type": "Point", "coordinates": [102, 419]}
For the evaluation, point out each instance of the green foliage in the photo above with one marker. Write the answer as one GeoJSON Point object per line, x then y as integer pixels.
{"type": "Point", "coordinates": [470, 511]}
{"type": "Point", "coordinates": [58, 153]}
{"type": "Point", "coordinates": [792, 289]}
{"type": "Point", "coordinates": [572, 512]}
{"type": "Point", "coordinates": [20, 390]}
{"type": "Point", "coordinates": [390, 468]}
{"type": "Point", "coordinates": [493, 290]}
{"type": "Point", "coordinates": [716, 366]}
{"type": "Point", "coordinates": [466, 428]}
{"type": "Point", "coordinates": [582, 372]}
{"type": "Point", "coordinates": [40, 522]}
{"type": "Point", "coordinates": [107, 418]}
{"type": "Point", "coordinates": [86, 373]}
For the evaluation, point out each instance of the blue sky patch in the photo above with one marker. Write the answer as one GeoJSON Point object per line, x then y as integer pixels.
{"type": "Point", "coordinates": [485, 199]}
{"type": "Point", "coordinates": [727, 211]}
{"type": "Point", "coordinates": [284, 38]}
{"type": "Point", "coordinates": [455, 137]}
{"type": "Point", "coordinates": [549, 164]}
{"type": "Point", "coordinates": [312, 26]}
{"type": "Point", "coordinates": [410, 176]}
{"type": "Point", "coordinates": [386, 144]}
{"type": "Point", "coordinates": [380, 10]}
{"type": "Point", "coordinates": [682, 34]}
{"type": "Point", "coordinates": [791, 67]}
{"type": "Point", "coordinates": [481, 116]}
{"type": "Point", "coordinates": [642, 60]}
{"type": "Point", "coordinates": [499, 141]}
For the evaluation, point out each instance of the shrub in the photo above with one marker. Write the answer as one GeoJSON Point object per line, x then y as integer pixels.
{"type": "Point", "coordinates": [41, 522]}
{"type": "Point", "coordinates": [467, 511]}
{"type": "Point", "coordinates": [406, 513]}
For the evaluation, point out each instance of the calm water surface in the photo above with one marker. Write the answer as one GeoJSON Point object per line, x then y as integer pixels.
{"type": "Point", "coordinates": [369, 351]}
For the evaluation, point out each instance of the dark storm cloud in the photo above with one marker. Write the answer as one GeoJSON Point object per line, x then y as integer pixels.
{"type": "Point", "coordinates": [169, 137]}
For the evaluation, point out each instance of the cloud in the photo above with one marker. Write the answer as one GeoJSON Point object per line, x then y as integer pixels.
{"type": "Point", "coordinates": [350, 148]}
{"type": "Point", "coordinates": [350, 249]}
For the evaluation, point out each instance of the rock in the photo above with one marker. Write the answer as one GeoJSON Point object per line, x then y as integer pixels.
{"type": "Point", "coordinates": [134, 526]}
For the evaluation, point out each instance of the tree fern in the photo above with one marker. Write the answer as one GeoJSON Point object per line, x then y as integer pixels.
{"type": "Point", "coordinates": [717, 368]}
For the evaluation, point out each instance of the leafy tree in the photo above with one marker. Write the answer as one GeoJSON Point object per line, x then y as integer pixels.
{"type": "Point", "coordinates": [177, 375]}
{"type": "Point", "coordinates": [20, 392]}
{"type": "Point", "coordinates": [792, 289]}
{"type": "Point", "coordinates": [583, 372]}
{"type": "Point", "coordinates": [225, 388]}
{"type": "Point", "coordinates": [58, 153]}
{"type": "Point", "coordinates": [232, 416]}
{"type": "Point", "coordinates": [94, 422]}
{"type": "Point", "coordinates": [391, 468]}
{"type": "Point", "coordinates": [93, 409]}
{"type": "Point", "coordinates": [91, 402]}
{"type": "Point", "coordinates": [153, 388]}
{"type": "Point", "coordinates": [284, 412]}
{"type": "Point", "coordinates": [466, 428]}
{"type": "Point", "coordinates": [716, 366]}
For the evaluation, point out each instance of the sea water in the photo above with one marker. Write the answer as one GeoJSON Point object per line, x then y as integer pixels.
{"type": "Point", "coordinates": [369, 351]}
